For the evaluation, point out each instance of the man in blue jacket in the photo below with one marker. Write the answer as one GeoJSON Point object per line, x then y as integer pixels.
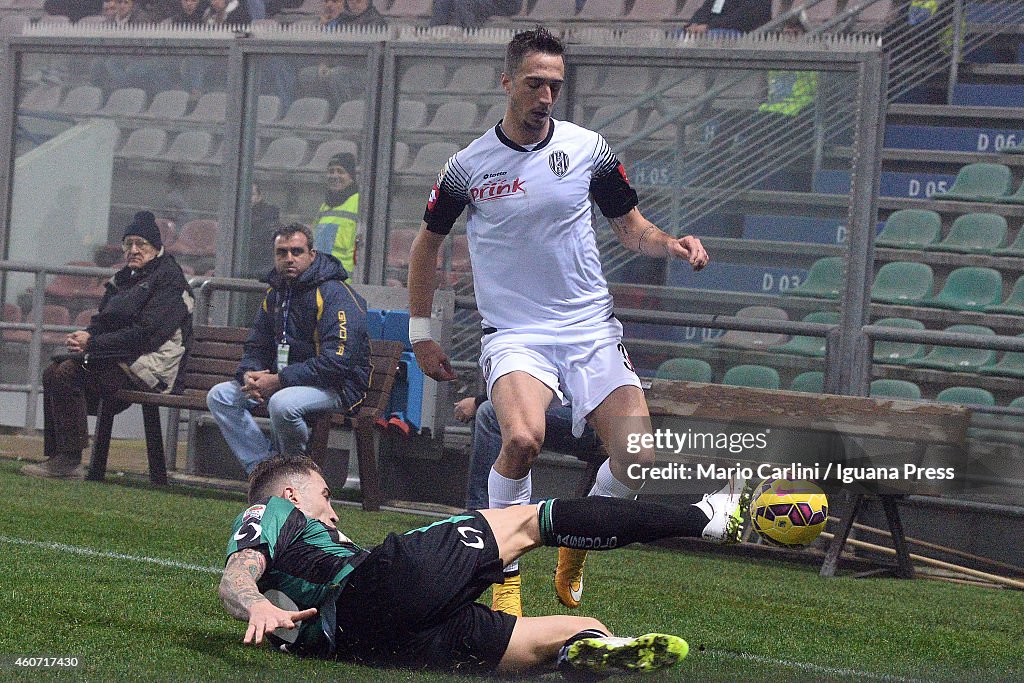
{"type": "Point", "coordinates": [308, 352]}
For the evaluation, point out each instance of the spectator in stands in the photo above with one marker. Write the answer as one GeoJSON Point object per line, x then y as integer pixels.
{"type": "Point", "coordinates": [110, 10]}
{"type": "Point", "coordinates": [137, 340]}
{"type": "Point", "coordinates": [308, 352]}
{"type": "Point", "coordinates": [273, 7]}
{"type": "Point", "coordinates": [264, 220]}
{"type": "Point", "coordinates": [332, 15]}
{"type": "Point", "coordinates": [190, 12]}
{"type": "Point", "coordinates": [73, 9]}
{"type": "Point", "coordinates": [362, 13]}
{"type": "Point", "coordinates": [339, 214]}
{"type": "Point", "coordinates": [487, 441]}
{"type": "Point", "coordinates": [227, 13]}
{"type": "Point", "coordinates": [729, 17]}
{"type": "Point", "coordinates": [471, 13]}
{"type": "Point", "coordinates": [158, 10]}
{"type": "Point", "coordinates": [126, 12]}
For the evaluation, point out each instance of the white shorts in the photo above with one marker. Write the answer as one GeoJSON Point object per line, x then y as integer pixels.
{"type": "Point", "coordinates": [582, 373]}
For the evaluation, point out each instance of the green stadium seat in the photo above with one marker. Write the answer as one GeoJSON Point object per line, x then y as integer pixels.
{"type": "Point", "coordinates": [743, 339]}
{"type": "Point", "coordinates": [812, 382]}
{"type": "Point", "coordinates": [894, 388]}
{"type": "Point", "coordinates": [974, 233]}
{"type": "Point", "coordinates": [1015, 198]}
{"type": "Point", "coordinates": [898, 352]}
{"type": "Point", "coordinates": [1014, 304]}
{"type": "Point", "coordinates": [824, 279]}
{"type": "Point", "coordinates": [967, 396]}
{"type": "Point", "coordinates": [687, 369]}
{"type": "Point", "coordinates": [902, 283]}
{"type": "Point", "coordinates": [955, 358]}
{"type": "Point", "coordinates": [968, 289]}
{"type": "Point", "coordinates": [801, 345]}
{"type": "Point", "coordinates": [1015, 249]}
{"type": "Point", "coordinates": [755, 376]}
{"type": "Point", "coordinates": [980, 183]}
{"type": "Point", "coordinates": [910, 229]}
{"type": "Point", "coordinates": [1010, 365]}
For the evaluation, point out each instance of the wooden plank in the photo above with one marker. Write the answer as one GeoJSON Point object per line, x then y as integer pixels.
{"type": "Point", "coordinates": [221, 334]}
{"type": "Point", "coordinates": [916, 421]}
{"type": "Point", "coordinates": [214, 349]}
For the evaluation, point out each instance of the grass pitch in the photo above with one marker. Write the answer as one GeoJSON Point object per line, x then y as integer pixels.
{"type": "Point", "coordinates": [124, 577]}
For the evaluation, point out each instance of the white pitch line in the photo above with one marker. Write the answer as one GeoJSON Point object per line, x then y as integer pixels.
{"type": "Point", "coordinates": [816, 668]}
{"type": "Point", "coordinates": [78, 550]}
{"type": "Point", "coordinates": [722, 654]}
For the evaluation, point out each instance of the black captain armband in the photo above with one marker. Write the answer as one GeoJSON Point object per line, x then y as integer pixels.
{"type": "Point", "coordinates": [442, 211]}
{"type": "Point", "coordinates": [612, 193]}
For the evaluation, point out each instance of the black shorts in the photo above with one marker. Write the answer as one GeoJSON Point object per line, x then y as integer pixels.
{"type": "Point", "coordinates": [411, 602]}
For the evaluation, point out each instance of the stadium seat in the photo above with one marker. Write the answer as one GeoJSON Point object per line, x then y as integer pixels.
{"type": "Point", "coordinates": [602, 10]}
{"type": "Point", "coordinates": [83, 318]}
{"type": "Point", "coordinates": [902, 283]}
{"type": "Point", "coordinates": [685, 369]}
{"type": "Point", "coordinates": [1015, 198]}
{"type": "Point", "coordinates": [968, 289]}
{"type": "Point", "coordinates": [894, 388]}
{"type": "Point", "coordinates": [802, 345]}
{"type": "Point", "coordinates": [400, 157]}
{"type": "Point", "coordinates": [1014, 304]}
{"type": "Point", "coordinates": [423, 77]}
{"type": "Point", "coordinates": [898, 352]}
{"type": "Point", "coordinates": [196, 238]}
{"type": "Point", "coordinates": [824, 279]}
{"type": "Point", "coordinates": [192, 145]}
{"type": "Point", "coordinates": [669, 131]}
{"type": "Point", "coordinates": [742, 339]}
{"type": "Point", "coordinates": [755, 376]}
{"type": "Point", "coordinates": [1015, 249]}
{"type": "Point", "coordinates": [82, 99]}
{"type": "Point", "coordinates": [306, 112]}
{"type": "Point", "coordinates": [966, 396]}
{"type": "Point", "coordinates": [676, 84]}
{"type": "Point", "coordinates": [910, 229]}
{"type": "Point", "coordinates": [454, 117]}
{"type": "Point", "coordinates": [625, 81]}
{"type": "Point", "coordinates": [328, 149]}
{"type": "Point", "coordinates": [399, 246]}
{"type": "Point", "coordinates": [412, 115]}
{"type": "Point", "coordinates": [494, 114]}
{"type": "Point", "coordinates": [52, 315]}
{"type": "Point", "coordinates": [211, 106]}
{"type": "Point", "coordinates": [70, 289]}
{"type": "Point", "coordinates": [979, 183]}
{"type": "Point", "coordinates": [955, 358]}
{"type": "Point", "coordinates": [124, 102]}
{"type": "Point", "coordinates": [282, 153]}
{"type": "Point", "coordinates": [622, 126]}
{"type": "Point", "coordinates": [268, 109]}
{"type": "Point", "coordinates": [351, 115]}
{"type": "Point", "coordinates": [144, 143]}
{"type": "Point", "coordinates": [12, 314]}
{"type": "Point", "coordinates": [43, 98]}
{"type": "Point", "coordinates": [473, 78]}
{"type": "Point", "coordinates": [1010, 365]}
{"type": "Point", "coordinates": [812, 382]}
{"type": "Point", "coordinates": [552, 10]}
{"type": "Point", "coordinates": [168, 104]}
{"type": "Point", "coordinates": [432, 157]}
{"type": "Point", "coordinates": [652, 10]}
{"type": "Point", "coordinates": [974, 233]}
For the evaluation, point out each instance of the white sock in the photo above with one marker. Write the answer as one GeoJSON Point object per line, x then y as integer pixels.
{"type": "Point", "coordinates": [503, 492]}
{"type": "Point", "coordinates": [605, 484]}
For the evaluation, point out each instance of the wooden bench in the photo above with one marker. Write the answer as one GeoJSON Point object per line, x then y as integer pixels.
{"type": "Point", "coordinates": [215, 354]}
{"type": "Point", "coordinates": [919, 424]}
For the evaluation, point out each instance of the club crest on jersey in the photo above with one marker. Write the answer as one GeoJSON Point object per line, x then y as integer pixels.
{"type": "Point", "coordinates": [558, 162]}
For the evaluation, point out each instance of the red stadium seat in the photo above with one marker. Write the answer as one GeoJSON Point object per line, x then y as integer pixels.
{"type": "Point", "coordinates": [197, 238]}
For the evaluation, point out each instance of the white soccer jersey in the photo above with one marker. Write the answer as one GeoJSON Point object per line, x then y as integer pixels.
{"type": "Point", "coordinates": [532, 244]}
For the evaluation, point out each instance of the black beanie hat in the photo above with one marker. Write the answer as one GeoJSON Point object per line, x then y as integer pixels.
{"type": "Point", "coordinates": [144, 225]}
{"type": "Point", "coordinates": [345, 160]}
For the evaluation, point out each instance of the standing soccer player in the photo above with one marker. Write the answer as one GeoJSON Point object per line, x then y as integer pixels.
{"type": "Point", "coordinates": [547, 313]}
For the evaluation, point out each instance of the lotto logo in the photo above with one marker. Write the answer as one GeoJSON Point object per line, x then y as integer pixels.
{"type": "Point", "coordinates": [497, 190]}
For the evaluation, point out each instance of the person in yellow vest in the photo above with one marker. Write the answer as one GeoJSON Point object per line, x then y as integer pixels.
{"type": "Point", "coordinates": [339, 214]}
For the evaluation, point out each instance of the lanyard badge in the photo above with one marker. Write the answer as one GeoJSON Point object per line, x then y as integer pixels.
{"type": "Point", "coordinates": [282, 345]}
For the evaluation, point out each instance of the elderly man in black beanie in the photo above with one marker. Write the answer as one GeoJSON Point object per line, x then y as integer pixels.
{"type": "Point", "coordinates": [336, 225]}
{"type": "Point", "coordinates": [138, 339]}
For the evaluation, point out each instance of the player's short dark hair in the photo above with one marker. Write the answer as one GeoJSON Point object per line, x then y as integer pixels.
{"type": "Point", "coordinates": [535, 40]}
{"type": "Point", "coordinates": [271, 474]}
{"type": "Point", "coordinates": [286, 231]}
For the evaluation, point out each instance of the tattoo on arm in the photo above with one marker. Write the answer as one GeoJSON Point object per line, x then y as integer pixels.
{"type": "Point", "coordinates": [634, 237]}
{"type": "Point", "coordinates": [238, 590]}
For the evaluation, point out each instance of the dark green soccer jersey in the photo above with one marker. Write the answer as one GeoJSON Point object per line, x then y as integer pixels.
{"type": "Point", "coordinates": [306, 560]}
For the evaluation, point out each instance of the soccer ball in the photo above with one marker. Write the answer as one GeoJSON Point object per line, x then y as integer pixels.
{"type": "Point", "coordinates": [788, 513]}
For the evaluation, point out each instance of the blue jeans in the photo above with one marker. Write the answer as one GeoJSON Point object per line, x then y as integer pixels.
{"type": "Point", "coordinates": [288, 408]}
{"type": "Point", "coordinates": [487, 446]}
